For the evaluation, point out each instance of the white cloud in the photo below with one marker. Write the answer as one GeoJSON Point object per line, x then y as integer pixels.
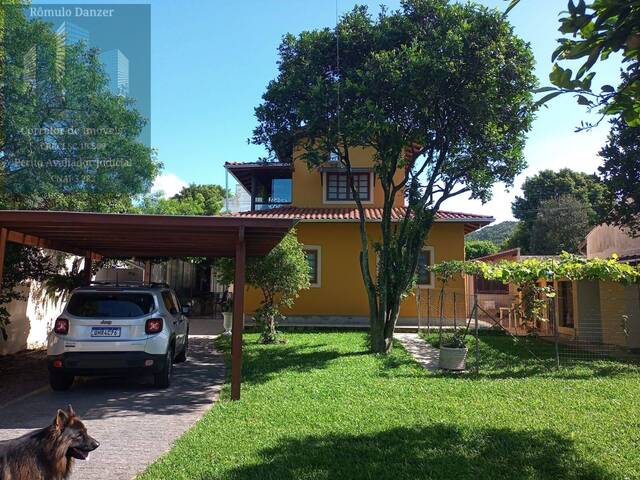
{"type": "Point", "coordinates": [169, 184]}
{"type": "Point", "coordinates": [577, 151]}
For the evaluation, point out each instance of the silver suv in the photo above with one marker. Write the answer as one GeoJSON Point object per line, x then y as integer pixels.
{"type": "Point", "coordinates": [108, 329]}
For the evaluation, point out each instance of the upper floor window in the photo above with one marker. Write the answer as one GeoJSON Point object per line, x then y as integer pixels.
{"type": "Point", "coordinates": [338, 188]}
{"type": "Point", "coordinates": [281, 190]}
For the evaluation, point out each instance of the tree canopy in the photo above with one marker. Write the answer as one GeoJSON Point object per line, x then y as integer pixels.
{"type": "Point", "coordinates": [439, 91]}
{"type": "Point", "coordinates": [560, 225]}
{"type": "Point", "coordinates": [586, 189]}
{"type": "Point", "coordinates": [67, 143]}
{"type": "Point", "coordinates": [620, 172]}
{"type": "Point", "coordinates": [192, 200]}
{"type": "Point", "coordinates": [479, 248]}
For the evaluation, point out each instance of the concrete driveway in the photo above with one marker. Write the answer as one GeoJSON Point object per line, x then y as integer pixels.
{"type": "Point", "coordinates": [133, 422]}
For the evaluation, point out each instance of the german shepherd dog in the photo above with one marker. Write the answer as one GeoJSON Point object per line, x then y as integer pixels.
{"type": "Point", "coordinates": [48, 453]}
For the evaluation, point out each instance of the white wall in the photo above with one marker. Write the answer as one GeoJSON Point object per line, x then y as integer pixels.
{"type": "Point", "coordinates": [604, 240]}
{"type": "Point", "coordinates": [31, 319]}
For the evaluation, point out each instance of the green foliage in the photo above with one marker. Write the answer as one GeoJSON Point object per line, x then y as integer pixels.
{"type": "Point", "coordinates": [587, 189]}
{"type": "Point", "coordinates": [547, 184]}
{"type": "Point", "coordinates": [279, 276]}
{"type": "Point", "coordinates": [68, 142]}
{"type": "Point", "coordinates": [452, 340]}
{"type": "Point", "coordinates": [224, 270]}
{"type": "Point", "coordinates": [65, 278]}
{"type": "Point", "coordinates": [560, 225]}
{"type": "Point", "coordinates": [591, 34]}
{"type": "Point", "coordinates": [440, 91]}
{"type": "Point", "coordinates": [479, 248]}
{"type": "Point", "coordinates": [191, 200]}
{"type": "Point", "coordinates": [620, 173]}
{"type": "Point", "coordinates": [498, 233]}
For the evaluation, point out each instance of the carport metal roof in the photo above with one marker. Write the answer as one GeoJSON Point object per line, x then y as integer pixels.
{"type": "Point", "coordinates": [125, 235]}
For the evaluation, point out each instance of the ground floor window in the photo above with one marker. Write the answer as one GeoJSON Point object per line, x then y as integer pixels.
{"type": "Point", "coordinates": [313, 258]}
{"type": "Point", "coordinates": [493, 287]}
{"type": "Point", "coordinates": [425, 260]}
{"type": "Point", "coordinates": [565, 304]}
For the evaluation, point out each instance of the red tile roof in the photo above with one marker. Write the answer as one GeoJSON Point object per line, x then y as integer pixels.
{"type": "Point", "coordinates": [472, 221]}
{"type": "Point", "coordinates": [494, 257]}
{"type": "Point", "coordinates": [234, 165]}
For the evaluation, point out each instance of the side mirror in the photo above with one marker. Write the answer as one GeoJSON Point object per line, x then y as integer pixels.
{"type": "Point", "coordinates": [186, 310]}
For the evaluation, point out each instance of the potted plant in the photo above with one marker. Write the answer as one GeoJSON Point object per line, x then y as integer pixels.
{"type": "Point", "coordinates": [453, 351]}
{"type": "Point", "coordinates": [227, 315]}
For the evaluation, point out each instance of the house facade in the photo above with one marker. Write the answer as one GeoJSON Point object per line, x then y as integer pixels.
{"type": "Point", "coordinates": [329, 230]}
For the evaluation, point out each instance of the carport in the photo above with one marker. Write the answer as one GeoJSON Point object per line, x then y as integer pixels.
{"type": "Point", "coordinates": [96, 235]}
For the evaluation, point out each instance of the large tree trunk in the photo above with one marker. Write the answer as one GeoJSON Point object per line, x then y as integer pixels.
{"type": "Point", "coordinates": [398, 256]}
{"type": "Point", "coordinates": [383, 326]}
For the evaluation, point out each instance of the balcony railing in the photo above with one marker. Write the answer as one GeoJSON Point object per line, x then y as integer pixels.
{"type": "Point", "coordinates": [269, 205]}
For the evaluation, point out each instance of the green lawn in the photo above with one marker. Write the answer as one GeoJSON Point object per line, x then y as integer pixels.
{"type": "Point", "coordinates": [321, 407]}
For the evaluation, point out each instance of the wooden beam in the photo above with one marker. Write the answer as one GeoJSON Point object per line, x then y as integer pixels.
{"type": "Point", "coordinates": [88, 263]}
{"type": "Point", "coordinates": [253, 192]}
{"type": "Point", "coordinates": [238, 314]}
{"type": "Point", "coordinates": [4, 233]}
{"type": "Point", "coordinates": [34, 241]}
{"type": "Point", "coordinates": [147, 272]}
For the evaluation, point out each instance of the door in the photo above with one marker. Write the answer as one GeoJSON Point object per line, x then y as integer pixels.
{"type": "Point", "coordinates": [175, 317]}
{"type": "Point", "coordinates": [183, 324]}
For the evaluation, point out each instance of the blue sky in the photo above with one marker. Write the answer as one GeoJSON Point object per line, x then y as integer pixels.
{"type": "Point", "coordinates": [211, 60]}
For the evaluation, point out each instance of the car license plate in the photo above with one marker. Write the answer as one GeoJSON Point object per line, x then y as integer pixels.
{"type": "Point", "coordinates": [105, 331]}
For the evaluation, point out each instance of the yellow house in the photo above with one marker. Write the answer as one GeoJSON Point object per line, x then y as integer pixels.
{"type": "Point", "coordinates": [329, 230]}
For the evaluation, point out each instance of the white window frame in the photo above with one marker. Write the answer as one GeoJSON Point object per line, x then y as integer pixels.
{"type": "Point", "coordinates": [318, 251]}
{"type": "Point", "coordinates": [346, 202]}
{"type": "Point", "coordinates": [432, 274]}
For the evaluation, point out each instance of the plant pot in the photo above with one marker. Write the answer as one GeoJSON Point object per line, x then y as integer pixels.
{"type": "Point", "coordinates": [227, 322]}
{"type": "Point", "coordinates": [453, 358]}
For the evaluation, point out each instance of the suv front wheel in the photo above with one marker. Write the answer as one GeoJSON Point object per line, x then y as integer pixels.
{"type": "Point", "coordinates": [162, 378]}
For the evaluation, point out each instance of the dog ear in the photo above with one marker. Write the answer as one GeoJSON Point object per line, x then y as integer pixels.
{"type": "Point", "coordinates": [70, 411]}
{"type": "Point", "coordinates": [60, 420]}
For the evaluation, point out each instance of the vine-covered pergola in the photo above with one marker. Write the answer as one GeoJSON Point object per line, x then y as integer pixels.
{"type": "Point", "coordinates": [534, 276]}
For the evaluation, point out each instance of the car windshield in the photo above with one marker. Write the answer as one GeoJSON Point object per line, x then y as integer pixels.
{"type": "Point", "coordinates": [110, 305]}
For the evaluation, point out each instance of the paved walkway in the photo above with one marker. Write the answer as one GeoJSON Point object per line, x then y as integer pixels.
{"type": "Point", "coordinates": [425, 354]}
{"type": "Point", "coordinates": [133, 422]}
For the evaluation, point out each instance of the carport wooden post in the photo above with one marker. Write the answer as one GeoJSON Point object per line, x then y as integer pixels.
{"type": "Point", "coordinates": [147, 272]}
{"type": "Point", "coordinates": [238, 314]}
{"type": "Point", "coordinates": [4, 233]}
{"type": "Point", "coordinates": [86, 274]}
